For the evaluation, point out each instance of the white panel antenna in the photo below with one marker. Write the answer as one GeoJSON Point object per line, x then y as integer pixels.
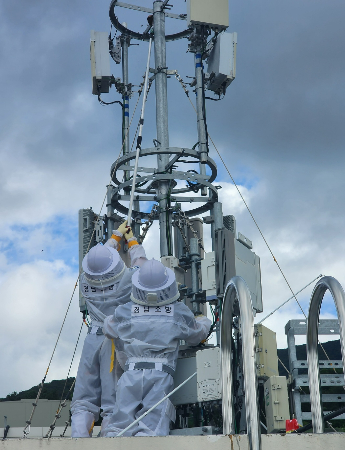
{"type": "Point", "coordinates": [214, 13]}
{"type": "Point", "coordinates": [222, 63]}
{"type": "Point", "coordinates": [100, 62]}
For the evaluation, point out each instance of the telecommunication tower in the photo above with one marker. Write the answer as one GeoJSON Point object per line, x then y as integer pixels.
{"type": "Point", "coordinates": [184, 201]}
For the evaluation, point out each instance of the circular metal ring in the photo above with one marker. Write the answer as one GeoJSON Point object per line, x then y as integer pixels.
{"type": "Point", "coordinates": [143, 215]}
{"type": "Point", "coordinates": [185, 152]}
{"type": "Point", "coordinates": [156, 177]}
{"type": "Point", "coordinates": [141, 36]}
{"type": "Point", "coordinates": [162, 177]}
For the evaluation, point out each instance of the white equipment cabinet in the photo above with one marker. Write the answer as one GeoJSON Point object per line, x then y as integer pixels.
{"type": "Point", "coordinates": [265, 352]}
{"type": "Point", "coordinates": [276, 404]}
{"type": "Point", "coordinates": [206, 385]}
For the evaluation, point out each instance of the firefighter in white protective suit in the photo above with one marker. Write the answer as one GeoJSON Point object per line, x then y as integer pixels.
{"type": "Point", "coordinates": [150, 327]}
{"type": "Point", "coordinates": [105, 283]}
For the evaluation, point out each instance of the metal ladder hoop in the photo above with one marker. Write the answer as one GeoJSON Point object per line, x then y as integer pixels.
{"type": "Point", "coordinates": [237, 291]}
{"type": "Point", "coordinates": [331, 284]}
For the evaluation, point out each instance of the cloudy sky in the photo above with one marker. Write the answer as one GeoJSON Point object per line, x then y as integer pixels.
{"type": "Point", "coordinates": [280, 130]}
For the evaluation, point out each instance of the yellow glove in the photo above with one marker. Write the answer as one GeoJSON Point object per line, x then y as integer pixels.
{"type": "Point", "coordinates": [129, 234]}
{"type": "Point", "coordinates": [123, 228]}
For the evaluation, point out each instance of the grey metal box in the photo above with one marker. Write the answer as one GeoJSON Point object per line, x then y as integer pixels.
{"type": "Point", "coordinates": [248, 267]}
{"type": "Point", "coordinates": [233, 258]}
{"type": "Point", "coordinates": [100, 62]}
{"type": "Point", "coordinates": [222, 62]}
{"type": "Point", "coordinates": [208, 272]}
{"type": "Point", "coordinates": [188, 393]}
{"type": "Point", "coordinates": [276, 404]}
{"type": "Point", "coordinates": [266, 351]}
{"type": "Point", "coordinates": [214, 13]}
{"type": "Point", "coordinates": [206, 385]}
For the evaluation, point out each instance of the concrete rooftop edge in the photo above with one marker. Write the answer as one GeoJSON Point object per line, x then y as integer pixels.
{"type": "Point", "coordinates": [334, 441]}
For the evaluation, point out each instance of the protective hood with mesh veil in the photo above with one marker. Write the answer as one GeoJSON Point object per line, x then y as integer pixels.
{"type": "Point", "coordinates": [154, 284]}
{"type": "Point", "coordinates": [102, 263]}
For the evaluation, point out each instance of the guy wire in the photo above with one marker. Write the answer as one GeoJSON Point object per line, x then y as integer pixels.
{"type": "Point", "coordinates": [251, 215]}
{"type": "Point", "coordinates": [245, 203]}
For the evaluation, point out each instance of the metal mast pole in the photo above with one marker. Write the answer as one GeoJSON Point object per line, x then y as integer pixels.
{"type": "Point", "coordinates": [200, 110]}
{"type": "Point", "coordinates": [162, 124]}
{"type": "Point", "coordinates": [140, 134]}
{"type": "Point", "coordinates": [125, 39]}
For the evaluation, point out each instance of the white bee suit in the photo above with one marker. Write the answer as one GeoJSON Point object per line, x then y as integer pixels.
{"type": "Point", "coordinates": [99, 370]}
{"type": "Point", "coordinates": [150, 337]}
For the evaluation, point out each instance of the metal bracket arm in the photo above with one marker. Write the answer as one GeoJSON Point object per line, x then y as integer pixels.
{"type": "Point", "coordinates": [150, 11]}
{"type": "Point", "coordinates": [174, 160]}
{"type": "Point", "coordinates": [164, 70]}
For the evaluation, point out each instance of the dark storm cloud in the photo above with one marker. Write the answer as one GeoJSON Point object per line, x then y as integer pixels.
{"type": "Point", "coordinates": [47, 70]}
{"type": "Point", "coordinates": [288, 97]}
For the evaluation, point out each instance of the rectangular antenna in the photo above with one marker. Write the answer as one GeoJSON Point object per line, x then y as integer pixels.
{"type": "Point", "coordinates": [214, 13]}
{"type": "Point", "coordinates": [221, 63]}
{"type": "Point", "coordinates": [100, 62]}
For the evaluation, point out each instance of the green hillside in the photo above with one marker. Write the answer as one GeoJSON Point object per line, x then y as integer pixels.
{"type": "Point", "coordinates": [51, 391]}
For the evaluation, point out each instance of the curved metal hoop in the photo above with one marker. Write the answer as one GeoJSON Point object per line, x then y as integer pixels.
{"type": "Point", "coordinates": [185, 152]}
{"type": "Point", "coordinates": [151, 177]}
{"type": "Point", "coordinates": [237, 291]}
{"type": "Point", "coordinates": [331, 284]}
{"type": "Point", "coordinates": [141, 36]}
{"type": "Point", "coordinates": [207, 206]}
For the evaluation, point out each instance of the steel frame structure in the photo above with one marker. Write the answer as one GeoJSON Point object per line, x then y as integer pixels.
{"type": "Point", "coordinates": [299, 380]}
{"type": "Point", "coordinates": [159, 185]}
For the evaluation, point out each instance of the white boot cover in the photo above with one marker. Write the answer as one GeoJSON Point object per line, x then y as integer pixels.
{"type": "Point", "coordinates": [82, 424]}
